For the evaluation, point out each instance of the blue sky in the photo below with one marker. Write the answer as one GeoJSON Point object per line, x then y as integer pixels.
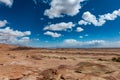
{"type": "Point", "coordinates": [60, 23]}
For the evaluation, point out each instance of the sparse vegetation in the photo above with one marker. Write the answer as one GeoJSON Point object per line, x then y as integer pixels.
{"type": "Point", "coordinates": [100, 59]}
{"type": "Point", "coordinates": [59, 64]}
{"type": "Point", "coordinates": [22, 48]}
{"type": "Point", "coordinates": [116, 59]}
{"type": "Point", "coordinates": [63, 58]}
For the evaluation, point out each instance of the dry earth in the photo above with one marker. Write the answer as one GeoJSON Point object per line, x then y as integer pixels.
{"type": "Point", "coordinates": [23, 63]}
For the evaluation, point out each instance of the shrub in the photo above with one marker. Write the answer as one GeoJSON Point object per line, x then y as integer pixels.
{"type": "Point", "coordinates": [116, 59]}
{"type": "Point", "coordinates": [100, 59]}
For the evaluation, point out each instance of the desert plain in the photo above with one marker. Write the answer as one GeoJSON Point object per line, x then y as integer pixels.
{"type": "Point", "coordinates": [26, 63]}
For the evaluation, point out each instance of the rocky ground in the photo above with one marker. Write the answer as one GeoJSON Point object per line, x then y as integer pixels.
{"type": "Point", "coordinates": [23, 63]}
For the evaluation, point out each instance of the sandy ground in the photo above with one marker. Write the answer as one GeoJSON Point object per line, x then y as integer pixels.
{"type": "Point", "coordinates": [22, 63]}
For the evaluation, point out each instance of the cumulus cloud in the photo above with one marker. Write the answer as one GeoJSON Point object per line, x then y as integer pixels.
{"type": "Point", "coordinates": [24, 40]}
{"type": "Point", "coordinates": [76, 43]}
{"type": "Point", "coordinates": [3, 23]}
{"type": "Point", "coordinates": [89, 18]}
{"type": "Point", "coordinates": [10, 36]}
{"type": "Point", "coordinates": [63, 7]}
{"type": "Point", "coordinates": [79, 29]}
{"type": "Point", "coordinates": [15, 33]}
{"type": "Point", "coordinates": [52, 34]}
{"type": "Point", "coordinates": [7, 2]}
{"type": "Point", "coordinates": [60, 26]}
{"type": "Point", "coordinates": [83, 22]}
{"type": "Point", "coordinates": [72, 43]}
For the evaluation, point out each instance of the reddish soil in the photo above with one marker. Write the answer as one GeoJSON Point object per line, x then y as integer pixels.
{"type": "Point", "coordinates": [25, 63]}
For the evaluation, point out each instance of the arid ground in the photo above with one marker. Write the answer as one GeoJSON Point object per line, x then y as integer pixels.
{"type": "Point", "coordinates": [23, 63]}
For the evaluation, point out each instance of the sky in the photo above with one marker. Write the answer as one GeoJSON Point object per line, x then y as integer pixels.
{"type": "Point", "coordinates": [60, 23]}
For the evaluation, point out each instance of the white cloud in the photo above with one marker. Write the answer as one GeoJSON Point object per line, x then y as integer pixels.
{"type": "Point", "coordinates": [44, 1]}
{"type": "Point", "coordinates": [60, 26]}
{"type": "Point", "coordinates": [35, 1]}
{"type": "Point", "coordinates": [83, 22]}
{"type": "Point", "coordinates": [52, 34]}
{"type": "Point", "coordinates": [24, 40]}
{"type": "Point", "coordinates": [81, 37]}
{"type": "Point", "coordinates": [94, 43]}
{"type": "Point", "coordinates": [10, 36]}
{"type": "Point", "coordinates": [79, 29]}
{"type": "Point", "coordinates": [86, 35]}
{"type": "Point", "coordinates": [3, 23]}
{"type": "Point", "coordinates": [72, 43]}
{"type": "Point", "coordinates": [89, 18]}
{"type": "Point", "coordinates": [36, 39]}
{"type": "Point", "coordinates": [75, 43]}
{"type": "Point", "coordinates": [15, 33]}
{"type": "Point", "coordinates": [63, 7]}
{"type": "Point", "coordinates": [7, 2]}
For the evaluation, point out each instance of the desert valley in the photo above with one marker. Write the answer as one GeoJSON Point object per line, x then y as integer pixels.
{"type": "Point", "coordinates": [25, 63]}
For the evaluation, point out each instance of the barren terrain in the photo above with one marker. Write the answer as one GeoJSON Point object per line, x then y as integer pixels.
{"type": "Point", "coordinates": [23, 63]}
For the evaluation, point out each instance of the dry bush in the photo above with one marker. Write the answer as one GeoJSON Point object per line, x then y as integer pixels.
{"type": "Point", "coordinates": [116, 59]}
